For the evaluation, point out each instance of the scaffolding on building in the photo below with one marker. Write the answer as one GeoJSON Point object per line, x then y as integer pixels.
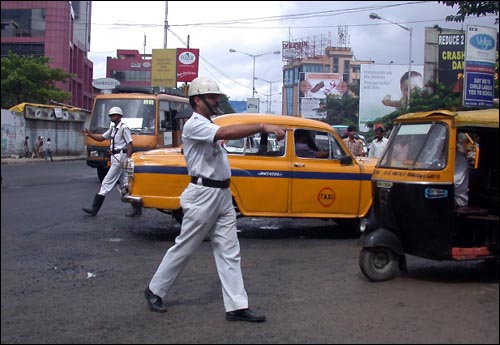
{"type": "Point", "coordinates": [305, 48]}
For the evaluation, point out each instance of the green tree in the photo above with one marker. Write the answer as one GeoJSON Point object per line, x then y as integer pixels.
{"type": "Point", "coordinates": [225, 106]}
{"type": "Point", "coordinates": [31, 79]}
{"type": "Point", "coordinates": [342, 110]}
{"type": "Point", "coordinates": [471, 8]}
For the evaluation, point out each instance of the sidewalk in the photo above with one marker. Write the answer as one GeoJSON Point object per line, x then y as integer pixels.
{"type": "Point", "coordinates": [10, 160]}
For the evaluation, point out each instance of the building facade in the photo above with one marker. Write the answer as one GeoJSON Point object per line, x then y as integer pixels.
{"type": "Point", "coordinates": [59, 30]}
{"type": "Point", "coordinates": [130, 68]}
{"type": "Point", "coordinates": [333, 60]}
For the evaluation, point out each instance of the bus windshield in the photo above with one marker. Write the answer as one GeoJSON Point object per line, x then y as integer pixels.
{"type": "Point", "coordinates": [138, 115]}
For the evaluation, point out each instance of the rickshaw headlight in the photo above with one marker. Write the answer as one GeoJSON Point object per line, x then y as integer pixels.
{"type": "Point", "coordinates": [363, 225]}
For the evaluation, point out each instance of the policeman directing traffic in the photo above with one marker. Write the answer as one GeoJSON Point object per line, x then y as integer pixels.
{"type": "Point", "coordinates": [207, 204]}
{"type": "Point", "coordinates": [121, 147]}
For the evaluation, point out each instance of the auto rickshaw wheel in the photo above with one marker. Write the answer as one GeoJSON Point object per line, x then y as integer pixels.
{"type": "Point", "coordinates": [379, 263]}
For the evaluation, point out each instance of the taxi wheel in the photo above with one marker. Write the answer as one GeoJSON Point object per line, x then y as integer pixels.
{"type": "Point", "coordinates": [351, 226]}
{"type": "Point", "coordinates": [178, 215]}
{"type": "Point", "coordinates": [379, 263]}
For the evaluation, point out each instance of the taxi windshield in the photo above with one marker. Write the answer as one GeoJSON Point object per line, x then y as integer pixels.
{"type": "Point", "coordinates": [416, 147]}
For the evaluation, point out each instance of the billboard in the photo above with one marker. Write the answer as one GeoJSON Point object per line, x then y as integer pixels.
{"type": "Point", "coordinates": [187, 64]}
{"type": "Point", "coordinates": [383, 89]}
{"type": "Point", "coordinates": [319, 85]}
{"type": "Point", "coordinates": [164, 67]}
{"type": "Point", "coordinates": [313, 89]}
{"type": "Point", "coordinates": [253, 105]}
{"type": "Point", "coordinates": [451, 58]}
{"type": "Point", "coordinates": [480, 57]}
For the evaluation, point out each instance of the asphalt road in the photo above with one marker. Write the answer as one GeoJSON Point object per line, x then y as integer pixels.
{"type": "Point", "coordinates": [71, 278]}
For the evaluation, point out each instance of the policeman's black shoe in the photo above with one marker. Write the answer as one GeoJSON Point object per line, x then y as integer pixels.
{"type": "Point", "coordinates": [155, 302]}
{"type": "Point", "coordinates": [244, 315]}
{"type": "Point", "coordinates": [96, 205]}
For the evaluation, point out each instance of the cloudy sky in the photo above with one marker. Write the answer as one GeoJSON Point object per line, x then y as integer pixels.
{"type": "Point", "coordinates": [256, 27]}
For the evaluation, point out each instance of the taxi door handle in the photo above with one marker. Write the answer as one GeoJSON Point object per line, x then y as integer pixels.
{"type": "Point", "coordinates": [299, 165]}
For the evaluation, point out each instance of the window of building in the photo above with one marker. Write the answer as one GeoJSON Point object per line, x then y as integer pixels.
{"type": "Point", "coordinates": [335, 67]}
{"type": "Point", "coordinates": [288, 77]}
{"type": "Point", "coordinates": [24, 49]}
{"type": "Point", "coordinates": [289, 100]}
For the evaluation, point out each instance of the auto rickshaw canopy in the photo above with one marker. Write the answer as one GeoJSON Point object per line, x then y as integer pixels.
{"type": "Point", "coordinates": [465, 118]}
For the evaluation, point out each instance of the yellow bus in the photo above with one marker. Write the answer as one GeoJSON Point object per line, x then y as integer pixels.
{"type": "Point", "coordinates": [153, 119]}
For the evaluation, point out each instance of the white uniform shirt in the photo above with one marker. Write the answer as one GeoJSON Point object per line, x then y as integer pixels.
{"type": "Point", "coordinates": [204, 157]}
{"type": "Point", "coordinates": [377, 147]}
{"type": "Point", "coordinates": [121, 137]}
{"type": "Point", "coordinates": [461, 179]}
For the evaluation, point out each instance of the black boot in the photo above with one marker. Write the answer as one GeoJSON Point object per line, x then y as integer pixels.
{"type": "Point", "coordinates": [136, 211]}
{"type": "Point", "coordinates": [98, 200]}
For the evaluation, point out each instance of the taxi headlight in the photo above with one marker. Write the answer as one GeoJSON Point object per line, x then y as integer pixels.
{"type": "Point", "coordinates": [130, 169]}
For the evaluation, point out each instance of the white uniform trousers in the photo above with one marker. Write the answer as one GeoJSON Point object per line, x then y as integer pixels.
{"type": "Point", "coordinates": [116, 172]}
{"type": "Point", "coordinates": [207, 212]}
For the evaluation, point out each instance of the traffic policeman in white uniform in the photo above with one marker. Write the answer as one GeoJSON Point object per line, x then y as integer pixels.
{"type": "Point", "coordinates": [121, 147]}
{"type": "Point", "coordinates": [207, 205]}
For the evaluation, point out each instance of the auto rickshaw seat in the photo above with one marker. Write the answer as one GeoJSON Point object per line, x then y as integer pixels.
{"type": "Point", "coordinates": [466, 211]}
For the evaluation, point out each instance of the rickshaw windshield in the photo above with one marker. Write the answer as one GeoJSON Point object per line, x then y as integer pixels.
{"type": "Point", "coordinates": [416, 147]}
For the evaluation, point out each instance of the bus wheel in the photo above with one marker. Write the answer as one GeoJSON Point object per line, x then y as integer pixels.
{"type": "Point", "coordinates": [101, 173]}
{"type": "Point", "coordinates": [379, 263]}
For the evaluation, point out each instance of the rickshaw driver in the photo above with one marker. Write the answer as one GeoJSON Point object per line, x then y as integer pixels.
{"type": "Point", "coordinates": [461, 177]}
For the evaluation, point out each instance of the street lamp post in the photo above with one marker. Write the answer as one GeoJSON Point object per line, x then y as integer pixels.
{"type": "Point", "coordinates": [254, 56]}
{"type": "Point", "coordinates": [270, 90]}
{"type": "Point", "coordinates": [410, 30]}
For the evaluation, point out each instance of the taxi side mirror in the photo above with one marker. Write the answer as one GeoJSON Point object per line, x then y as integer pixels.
{"type": "Point", "coordinates": [346, 160]}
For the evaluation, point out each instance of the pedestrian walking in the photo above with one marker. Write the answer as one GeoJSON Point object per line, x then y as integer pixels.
{"type": "Point", "coordinates": [36, 148]}
{"type": "Point", "coordinates": [48, 150]}
{"type": "Point", "coordinates": [26, 147]}
{"type": "Point", "coordinates": [207, 205]}
{"type": "Point", "coordinates": [121, 147]}
{"type": "Point", "coordinates": [40, 147]}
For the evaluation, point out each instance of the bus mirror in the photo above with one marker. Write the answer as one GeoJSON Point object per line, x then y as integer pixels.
{"type": "Point", "coordinates": [163, 124]}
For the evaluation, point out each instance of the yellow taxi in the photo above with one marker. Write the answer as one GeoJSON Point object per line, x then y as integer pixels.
{"type": "Point", "coordinates": [270, 178]}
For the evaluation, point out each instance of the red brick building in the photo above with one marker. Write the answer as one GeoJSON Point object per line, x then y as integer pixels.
{"type": "Point", "coordinates": [59, 30]}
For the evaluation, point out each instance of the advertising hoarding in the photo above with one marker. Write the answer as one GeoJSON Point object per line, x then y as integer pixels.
{"type": "Point", "coordinates": [451, 58]}
{"type": "Point", "coordinates": [480, 56]}
{"type": "Point", "coordinates": [164, 67]}
{"type": "Point", "coordinates": [382, 90]}
{"type": "Point", "coordinates": [313, 89]}
{"type": "Point", "coordinates": [187, 64]}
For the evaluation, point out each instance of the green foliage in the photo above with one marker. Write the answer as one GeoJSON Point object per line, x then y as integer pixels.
{"type": "Point", "coordinates": [471, 8]}
{"type": "Point", "coordinates": [31, 79]}
{"type": "Point", "coordinates": [342, 111]}
{"type": "Point", "coordinates": [225, 106]}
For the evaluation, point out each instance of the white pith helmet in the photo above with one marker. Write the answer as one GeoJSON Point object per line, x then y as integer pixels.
{"type": "Point", "coordinates": [115, 110]}
{"type": "Point", "coordinates": [203, 86]}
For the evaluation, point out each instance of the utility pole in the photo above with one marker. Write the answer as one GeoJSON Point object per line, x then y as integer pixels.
{"type": "Point", "coordinates": [166, 26]}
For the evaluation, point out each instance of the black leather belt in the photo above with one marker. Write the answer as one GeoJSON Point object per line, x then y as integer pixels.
{"type": "Point", "coordinates": [211, 183]}
{"type": "Point", "coordinates": [119, 151]}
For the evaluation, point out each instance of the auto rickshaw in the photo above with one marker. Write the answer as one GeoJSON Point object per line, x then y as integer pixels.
{"type": "Point", "coordinates": [414, 207]}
